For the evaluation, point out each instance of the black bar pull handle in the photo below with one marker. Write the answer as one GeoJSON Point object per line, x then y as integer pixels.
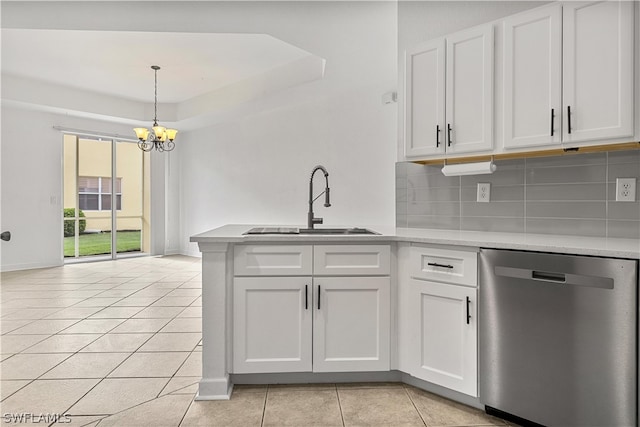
{"type": "Point", "coordinates": [306, 297]}
{"type": "Point", "coordinates": [6, 236]}
{"type": "Point", "coordinates": [449, 134]}
{"type": "Point", "coordinates": [553, 116]}
{"type": "Point", "coordinates": [437, 135]}
{"type": "Point", "coordinates": [548, 276]}
{"type": "Point", "coordinates": [435, 264]}
{"type": "Point", "coordinates": [569, 118]}
{"type": "Point", "coordinates": [468, 313]}
{"type": "Point", "coordinates": [318, 297]}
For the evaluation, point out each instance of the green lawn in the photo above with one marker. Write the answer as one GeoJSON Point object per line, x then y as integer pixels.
{"type": "Point", "coordinates": [95, 244]}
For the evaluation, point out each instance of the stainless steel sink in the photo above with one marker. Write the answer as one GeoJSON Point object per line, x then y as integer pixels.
{"type": "Point", "coordinates": [316, 231]}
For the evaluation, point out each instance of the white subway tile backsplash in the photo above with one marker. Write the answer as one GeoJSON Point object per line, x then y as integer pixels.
{"type": "Point", "coordinates": [570, 194]}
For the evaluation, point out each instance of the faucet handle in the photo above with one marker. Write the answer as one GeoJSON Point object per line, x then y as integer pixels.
{"type": "Point", "coordinates": [316, 221]}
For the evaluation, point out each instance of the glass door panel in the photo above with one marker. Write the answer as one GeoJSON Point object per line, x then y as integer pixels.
{"type": "Point", "coordinates": [106, 198]}
{"type": "Point", "coordinates": [130, 190]}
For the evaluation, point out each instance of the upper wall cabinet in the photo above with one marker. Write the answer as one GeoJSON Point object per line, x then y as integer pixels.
{"type": "Point", "coordinates": [449, 94]}
{"type": "Point", "coordinates": [533, 77]}
{"type": "Point", "coordinates": [597, 84]}
{"type": "Point", "coordinates": [568, 74]}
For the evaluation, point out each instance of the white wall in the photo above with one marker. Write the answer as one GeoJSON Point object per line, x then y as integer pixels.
{"type": "Point", "coordinates": [257, 169]}
{"type": "Point", "coordinates": [31, 192]}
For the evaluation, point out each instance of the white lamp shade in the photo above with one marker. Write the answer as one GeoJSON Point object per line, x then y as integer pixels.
{"type": "Point", "coordinates": [141, 133]}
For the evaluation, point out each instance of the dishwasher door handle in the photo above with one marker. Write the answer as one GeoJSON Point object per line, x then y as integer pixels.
{"type": "Point", "coordinates": [553, 277]}
{"type": "Point", "coordinates": [548, 277]}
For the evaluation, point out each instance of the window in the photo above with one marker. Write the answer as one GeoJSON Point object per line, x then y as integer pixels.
{"type": "Point", "coordinates": [95, 193]}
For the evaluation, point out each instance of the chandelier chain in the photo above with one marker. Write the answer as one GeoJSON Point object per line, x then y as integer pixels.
{"type": "Point", "coordinates": [155, 113]}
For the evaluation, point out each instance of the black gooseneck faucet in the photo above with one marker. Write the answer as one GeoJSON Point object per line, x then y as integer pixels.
{"type": "Point", "coordinates": [311, 221]}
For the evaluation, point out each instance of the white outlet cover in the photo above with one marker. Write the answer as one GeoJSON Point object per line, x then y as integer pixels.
{"type": "Point", "coordinates": [484, 192]}
{"type": "Point", "coordinates": [625, 190]}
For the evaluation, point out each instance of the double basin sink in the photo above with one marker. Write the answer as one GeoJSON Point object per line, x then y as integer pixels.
{"type": "Point", "coordinates": [317, 231]}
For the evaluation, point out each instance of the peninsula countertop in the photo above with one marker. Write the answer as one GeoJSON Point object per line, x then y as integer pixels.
{"type": "Point", "coordinates": [579, 245]}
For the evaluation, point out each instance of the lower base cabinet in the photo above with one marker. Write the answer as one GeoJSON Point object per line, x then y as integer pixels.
{"type": "Point", "coordinates": [351, 324]}
{"type": "Point", "coordinates": [444, 348]}
{"type": "Point", "coordinates": [305, 324]}
{"type": "Point", "coordinates": [272, 324]}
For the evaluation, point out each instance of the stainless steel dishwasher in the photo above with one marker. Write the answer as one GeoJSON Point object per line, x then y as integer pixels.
{"type": "Point", "coordinates": [558, 338]}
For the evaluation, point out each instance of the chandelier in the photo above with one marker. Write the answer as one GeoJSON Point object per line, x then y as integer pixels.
{"type": "Point", "coordinates": [158, 137]}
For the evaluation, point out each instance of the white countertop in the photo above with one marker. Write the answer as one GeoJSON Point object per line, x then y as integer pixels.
{"type": "Point", "coordinates": [597, 246]}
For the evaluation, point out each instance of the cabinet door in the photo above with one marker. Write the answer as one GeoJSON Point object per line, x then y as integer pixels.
{"type": "Point", "coordinates": [469, 94]}
{"type": "Point", "coordinates": [424, 99]}
{"type": "Point", "coordinates": [532, 78]}
{"type": "Point", "coordinates": [445, 352]}
{"type": "Point", "coordinates": [597, 70]}
{"type": "Point", "coordinates": [272, 324]}
{"type": "Point", "coordinates": [351, 324]}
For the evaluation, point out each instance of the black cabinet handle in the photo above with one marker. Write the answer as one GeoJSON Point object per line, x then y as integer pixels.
{"type": "Point", "coordinates": [435, 264]}
{"type": "Point", "coordinates": [6, 236]}
{"type": "Point", "coordinates": [306, 297]}
{"type": "Point", "coordinates": [449, 134]}
{"type": "Point", "coordinates": [569, 118]}
{"type": "Point", "coordinates": [553, 116]}
{"type": "Point", "coordinates": [468, 315]}
{"type": "Point", "coordinates": [437, 135]}
{"type": "Point", "coordinates": [318, 297]}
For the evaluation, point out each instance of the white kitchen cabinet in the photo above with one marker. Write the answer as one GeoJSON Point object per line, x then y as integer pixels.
{"type": "Point", "coordinates": [272, 324]}
{"type": "Point", "coordinates": [533, 78]}
{"type": "Point", "coordinates": [334, 321]}
{"type": "Point", "coordinates": [449, 94]}
{"type": "Point", "coordinates": [351, 324]}
{"type": "Point", "coordinates": [469, 96]}
{"type": "Point", "coordinates": [437, 320]}
{"type": "Point", "coordinates": [424, 99]}
{"type": "Point", "coordinates": [445, 349]}
{"type": "Point", "coordinates": [273, 260]}
{"type": "Point", "coordinates": [568, 74]}
{"type": "Point", "coordinates": [597, 86]}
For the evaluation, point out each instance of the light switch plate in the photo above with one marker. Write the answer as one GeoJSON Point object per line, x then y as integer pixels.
{"type": "Point", "coordinates": [625, 190]}
{"type": "Point", "coordinates": [484, 192]}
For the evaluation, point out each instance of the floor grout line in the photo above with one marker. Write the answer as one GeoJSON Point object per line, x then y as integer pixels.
{"type": "Point", "coordinates": [414, 404]}
{"type": "Point", "coordinates": [340, 406]}
{"type": "Point", "coordinates": [264, 406]}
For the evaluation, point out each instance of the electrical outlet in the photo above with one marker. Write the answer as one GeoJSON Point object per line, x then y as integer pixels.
{"type": "Point", "coordinates": [625, 190]}
{"type": "Point", "coordinates": [484, 192]}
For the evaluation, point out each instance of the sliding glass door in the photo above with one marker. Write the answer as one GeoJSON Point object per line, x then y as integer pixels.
{"type": "Point", "coordinates": [104, 198]}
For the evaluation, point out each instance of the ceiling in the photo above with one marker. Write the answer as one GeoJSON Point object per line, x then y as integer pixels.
{"type": "Point", "coordinates": [118, 63]}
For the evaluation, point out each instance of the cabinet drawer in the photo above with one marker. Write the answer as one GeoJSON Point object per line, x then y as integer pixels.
{"type": "Point", "coordinates": [273, 260]}
{"type": "Point", "coordinates": [351, 260]}
{"type": "Point", "coordinates": [443, 265]}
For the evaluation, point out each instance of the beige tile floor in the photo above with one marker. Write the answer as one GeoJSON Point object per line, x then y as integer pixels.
{"type": "Point", "coordinates": [117, 343]}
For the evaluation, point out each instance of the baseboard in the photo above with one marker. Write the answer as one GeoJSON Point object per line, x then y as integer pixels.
{"type": "Point", "coordinates": [441, 391]}
{"type": "Point", "coordinates": [319, 378]}
{"type": "Point", "coordinates": [29, 266]}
